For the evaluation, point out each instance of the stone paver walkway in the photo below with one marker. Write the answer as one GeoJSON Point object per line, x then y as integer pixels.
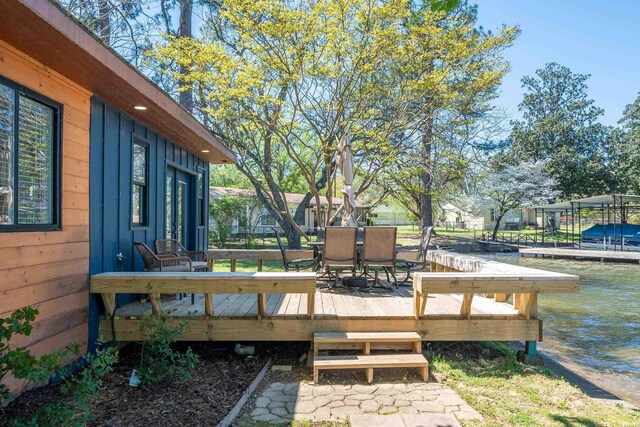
{"type": "Point", "coordinates": [397, 420]}
{"type": "Point", "coordinates": [280, 403]}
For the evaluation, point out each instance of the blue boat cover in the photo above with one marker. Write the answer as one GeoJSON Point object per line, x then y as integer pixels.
{"type": "Point", "coordinates": [624, 230]}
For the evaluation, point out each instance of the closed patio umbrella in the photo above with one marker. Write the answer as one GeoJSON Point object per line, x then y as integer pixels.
{"type": "Point", "coordinates": [345, 163]}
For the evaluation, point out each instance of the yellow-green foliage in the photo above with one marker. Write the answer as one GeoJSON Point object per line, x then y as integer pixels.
{"type": "Point", "coordinates": [283, 81]}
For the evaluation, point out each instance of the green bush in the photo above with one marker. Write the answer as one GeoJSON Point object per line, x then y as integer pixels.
{"type": "Point", "coordinates": [77, 391]}
{"type": "Point", "coordinates": [223, 213]}
{"type": "Point", "coordinates": [158, 360]}
{"type": "Point", "coordinates": [19, 361]}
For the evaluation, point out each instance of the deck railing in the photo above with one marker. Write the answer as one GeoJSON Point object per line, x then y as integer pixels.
{"type": "Point", "coordinates": [208, 284]}
{"type": "Point", "coordinates": [468, 275]}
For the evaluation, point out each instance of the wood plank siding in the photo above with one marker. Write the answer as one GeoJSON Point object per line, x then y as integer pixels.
{"type": "Point", "coordinates": [50, 270]}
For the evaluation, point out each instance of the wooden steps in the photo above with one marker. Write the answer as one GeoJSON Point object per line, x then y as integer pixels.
{"type": "Point", "coordinates": [367, 360]}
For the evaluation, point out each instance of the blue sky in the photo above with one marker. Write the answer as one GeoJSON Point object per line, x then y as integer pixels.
{"type": "Point", "coordinates": [596, 37]}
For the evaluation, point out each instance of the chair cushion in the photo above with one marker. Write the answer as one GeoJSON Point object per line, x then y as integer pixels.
{"type": "Point", "coordinates": [199, 265]}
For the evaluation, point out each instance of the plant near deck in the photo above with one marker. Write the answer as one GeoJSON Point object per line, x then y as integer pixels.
{"type": "Point", "coordinates": [19, 361]}
{"type": "Point", "coordinates": [77, 391]}
{"type": "Point", "coordinates": [158, 360]}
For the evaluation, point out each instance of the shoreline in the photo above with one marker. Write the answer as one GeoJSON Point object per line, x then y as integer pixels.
{"type": "Point", "coordinates": [598, 387]}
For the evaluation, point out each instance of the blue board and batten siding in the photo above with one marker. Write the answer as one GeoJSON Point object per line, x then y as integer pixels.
{"type": "Point", "coordinates": [111, 229]}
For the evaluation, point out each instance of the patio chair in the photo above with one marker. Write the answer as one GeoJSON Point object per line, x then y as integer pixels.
{"type": "Point", "coordinates": [293, 264]}
{"type": "Point", "coordinates": [379, 253]}
{"type": "Point", "coordinates": [419, 263]}
{"type": "Point", "coordinates": [164, 262]}
{"type": "Point", "coordinates": [199, 259]}
{"type": "Point", "coordinates": [339, 252]}
{"type": "Point", "coordinates": [167, 262]}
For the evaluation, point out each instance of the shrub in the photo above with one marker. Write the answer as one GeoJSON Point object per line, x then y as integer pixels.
{"type": "Point", "coordinates": [19, 361]}
{"type": "Point", "coordinates": [158, 360]}
{"type": "Point", "coordinates": [78, 390]}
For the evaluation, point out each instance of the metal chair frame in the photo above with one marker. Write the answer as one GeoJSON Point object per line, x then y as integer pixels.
{"type": "Point", "coordinates": [419, 264]}
{"type": "Point", "coordinates": [293, 264]}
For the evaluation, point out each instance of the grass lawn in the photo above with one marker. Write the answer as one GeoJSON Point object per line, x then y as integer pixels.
{"type": "Point", "coordinates": [507, 392]}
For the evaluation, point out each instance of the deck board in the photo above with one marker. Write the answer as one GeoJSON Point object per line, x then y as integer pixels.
{"type": "Point", "coordinates": [329, 304]}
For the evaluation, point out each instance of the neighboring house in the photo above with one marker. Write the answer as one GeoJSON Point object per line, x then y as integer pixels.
{"type": "Point", "coordinates": [261, 221]}
{"type": "Point", "coordinates": [385, 214]}
{"type": "Point", "coordinates": [460, 217]}
{"type": "Point", "coordinates": [515, 219]}
{"type": "Point", "coordinates": [93, 156]}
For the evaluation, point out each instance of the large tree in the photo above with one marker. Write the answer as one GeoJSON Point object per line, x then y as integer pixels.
{"type": "Point", "coordinates": [284, 81]}
{"type": "Point", "coordinates": [451, 72]}
{"type": "Point", "coordinates": [524, 185]}
{"type": "Point", "coordinates": [625, 152]}
{"type": "Point", "coordinates": [560, 124]}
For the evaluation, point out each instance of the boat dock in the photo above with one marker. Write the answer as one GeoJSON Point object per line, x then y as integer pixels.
{"type": "Point", "coordinates": [585, 254]}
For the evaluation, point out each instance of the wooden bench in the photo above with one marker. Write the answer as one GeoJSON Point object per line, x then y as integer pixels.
{"type": "Point", "coordinates": [525, 287]}
{"type": "Point", "coordinates": [207, 283]}
{"type": "Point", "coordinates": [367, 360]}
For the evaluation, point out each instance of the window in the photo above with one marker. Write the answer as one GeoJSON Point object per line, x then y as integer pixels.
{"type": "Point", "coordinates": [139, 188]}
{"type": "Point", "coordinates": [201, 208]}
{"type": "Point", "coordinates": [266, 219]}
{"type": "Point", "coordinates": [29, 160]}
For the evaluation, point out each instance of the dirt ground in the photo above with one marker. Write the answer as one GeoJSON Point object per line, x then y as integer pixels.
{"type": "Point", "coordinates": [205, 398]}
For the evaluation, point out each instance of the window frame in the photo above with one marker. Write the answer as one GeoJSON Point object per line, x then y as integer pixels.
{"type": "Point", "coordinates": [136, 140]}
{"type": "Point", "coordinates": [200, 198]}
{"type": "Point", "coordinates": [56, 159]}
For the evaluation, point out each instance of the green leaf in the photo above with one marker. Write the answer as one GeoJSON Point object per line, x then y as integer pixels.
{"type": "Point", "coordinates": [443, 5]}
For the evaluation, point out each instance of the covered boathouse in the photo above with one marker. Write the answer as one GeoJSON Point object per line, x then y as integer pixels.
{"type": "Point", "coordinates": [73, 117]}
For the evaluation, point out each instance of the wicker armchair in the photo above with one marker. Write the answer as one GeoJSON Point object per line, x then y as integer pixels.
{"type": "Point", "coordinates": [199, 259]}
{"type": "Point", "coordinates": [153, 262]}
{"type": "Point", "coordinates": [379, 252]}
{"type": "Point", "coordinates": [293, 264]}
{"type": "Point", "coordinates": [419, 263]}
{"type": "Point", "coordinates": [339, 252]}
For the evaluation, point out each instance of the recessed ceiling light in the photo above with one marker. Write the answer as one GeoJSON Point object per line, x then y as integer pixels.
{"type": "Point", "coordinates": [224, 161]}
{"type": "Point", "coordinates": [205, 151]}
{"type": "Point", "coordinates": [140, 107]}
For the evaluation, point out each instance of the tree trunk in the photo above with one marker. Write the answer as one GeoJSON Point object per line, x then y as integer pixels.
{"type": "Point", "coordinates": [104, 21]}
{"type": "Point", "coordinates": [494, 236]}
{"type": "Point", "coordinates": [426, 177]}
{"type": "Point", "coordinates": [293, 237]}
{"type": "Point", "coordinates": [184, 30]}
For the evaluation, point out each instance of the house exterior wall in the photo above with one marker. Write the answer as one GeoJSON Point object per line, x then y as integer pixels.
{"type": "Point", "coordinates": [112, 232]}
{"type": "Point", "coordinates": [50, 270]}
{"type": "Point", "coordinates": [513, 219]}
{"type": "Point", "coordinates": [385, 215]}
{"type": "Point", "coordinates": [452, 216]}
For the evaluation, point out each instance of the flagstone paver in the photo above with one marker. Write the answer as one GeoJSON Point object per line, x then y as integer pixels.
{"type": "Point", "coordinates": [280, 403]}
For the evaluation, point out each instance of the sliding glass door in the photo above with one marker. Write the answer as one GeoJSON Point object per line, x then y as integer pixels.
{"type": "Point", "coordinates": [179, 224]}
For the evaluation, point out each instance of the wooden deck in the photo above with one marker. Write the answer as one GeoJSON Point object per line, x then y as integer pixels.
{"type": "Point", "coordinates": [461, 299]}
{"type": "Point", "coordinates": [586, 254]}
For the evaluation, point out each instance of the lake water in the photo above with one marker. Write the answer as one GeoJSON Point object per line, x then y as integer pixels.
{"type": "Point", "coordinates": [596, 331]}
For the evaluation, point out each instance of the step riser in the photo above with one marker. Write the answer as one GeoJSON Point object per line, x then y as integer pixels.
{"type": "Point", "coordinates": [320, 337]}
{"type": "Point", "coordinates": [359, 346]}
